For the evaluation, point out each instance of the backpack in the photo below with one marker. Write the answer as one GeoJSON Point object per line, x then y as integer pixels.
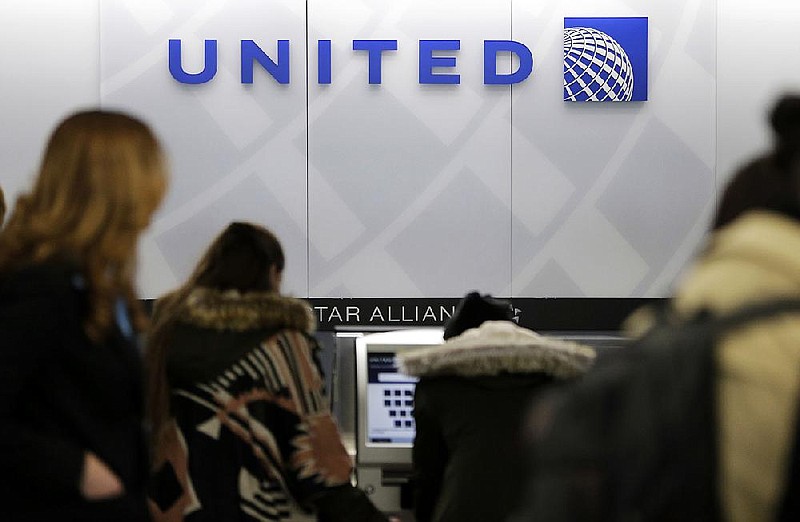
{"type": "Point", "coordinates": [635, 439]}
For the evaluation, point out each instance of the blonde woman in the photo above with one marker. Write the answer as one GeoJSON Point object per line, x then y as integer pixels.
{"type": "Point", "coordinates": [71, 439]}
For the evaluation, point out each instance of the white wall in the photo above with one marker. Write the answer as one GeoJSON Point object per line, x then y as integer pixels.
{"type": "Point", "coordinates": [757, 45]}
{"type": "Point", "coordinates": [715, 69]}
{"type": "Point", "coordinates": [610, 200]}
{"type": "Point", "coordinates": [237, 152]}
{"type": "Point", "coordinates": [409, 184]}
{"type": "Point", "coordinates": [49, 65]}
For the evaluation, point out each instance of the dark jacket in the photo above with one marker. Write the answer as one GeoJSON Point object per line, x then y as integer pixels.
{"type": "Point", "coordinates": [469, 407]}
{"type": "Point", "coordinates": [686, 425]}
{"type": "Point", "coordinates": [62, 395]}
{"type": "Point", "coordinates": [252, 436]}
{"type": "Point", "coordinates": [636, 439]}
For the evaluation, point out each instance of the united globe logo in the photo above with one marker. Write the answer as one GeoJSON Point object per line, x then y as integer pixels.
{"type": "Point", "coordinates": [596, 67]}
{"type": "Point", "coordinates": [605, 59]}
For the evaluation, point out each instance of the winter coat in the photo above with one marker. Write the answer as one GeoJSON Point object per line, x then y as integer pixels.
{"type": "Point", "coordinates": [252, 436]}
{"type": "Point", "coordinates": [62, 395]}
{"type": "Point", "coordinates": [469, 407]}
{"type": "Point", "coordinates": [756, 258]}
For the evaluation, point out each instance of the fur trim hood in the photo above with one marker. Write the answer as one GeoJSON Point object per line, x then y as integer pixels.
{"type": "Point", "coordinates": [231, 310]}
{"type": "Point", "coordinates": [495, 348]}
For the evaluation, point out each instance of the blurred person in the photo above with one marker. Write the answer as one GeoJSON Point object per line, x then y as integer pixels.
{"type": "Point", "coordinates": [72, 445]}
{"type": "Point", "coordinates": [721, 441]}
{"type": "Point", "coordinates": [755, 257]}
{"type": "Point", "coordinates": [469, 408]}
{"type": "Point", "coordinates": [242, 427]}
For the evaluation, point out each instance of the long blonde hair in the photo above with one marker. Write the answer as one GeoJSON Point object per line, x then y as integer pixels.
{"type": "Point", "coordinates": [101, 178]}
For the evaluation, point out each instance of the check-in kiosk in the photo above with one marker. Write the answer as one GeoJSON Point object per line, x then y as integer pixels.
{"type": "Point", "coordinates": [384, 414]}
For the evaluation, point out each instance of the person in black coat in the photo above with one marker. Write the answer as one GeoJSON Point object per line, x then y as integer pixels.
{"type": "Point", "coordinates": [470, 403]}
{"type": "Point", "coordinates": [72, 445]}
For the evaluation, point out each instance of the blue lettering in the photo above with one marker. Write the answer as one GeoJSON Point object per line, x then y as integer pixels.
{"type": "Point", "coordinates": [375, 49]}
{"type": "Point", "coordinates": [490, 50]}
{"type": "Point", "coordinates": [427, 61]}
{"type": "Point", "coordinates": [324, 62]}
{"type": "Point", "coordinates": [209, 65]}
{"type": "Point", "coordinates": [251, 53]}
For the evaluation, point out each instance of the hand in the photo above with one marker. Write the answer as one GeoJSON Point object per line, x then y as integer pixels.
{"type": "Point", "coordinates": [98, 482]}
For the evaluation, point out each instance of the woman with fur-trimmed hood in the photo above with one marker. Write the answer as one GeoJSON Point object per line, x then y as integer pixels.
{"type": "Point", "coordinates": [242, 429]}
{"type": "Point", "coordinates": [470, 401]}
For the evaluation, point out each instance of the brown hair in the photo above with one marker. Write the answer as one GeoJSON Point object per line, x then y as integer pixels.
{"type": "Point", "coordinates": [102, 176]}
{"type": "Point", "coordinates": [2, 206]}
{"type": "Point", "coordinates": [239, 258]}
{"type": "Point", "coordinates": [770, 181]}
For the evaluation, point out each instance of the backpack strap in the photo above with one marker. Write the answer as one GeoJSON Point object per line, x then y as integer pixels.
{"type": "Point", "coordinates": [754, 312]}
{"type": "Point", "coordinates": [679, 357]}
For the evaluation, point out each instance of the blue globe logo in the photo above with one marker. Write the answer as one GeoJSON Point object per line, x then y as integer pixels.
{"type": "Point", "coordinates": [596, 67]}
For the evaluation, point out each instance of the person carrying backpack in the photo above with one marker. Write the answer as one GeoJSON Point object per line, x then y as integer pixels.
{"type": "Point", "coordinates": [754, 259]}
{"type": "Point", "coordinates": [698, 419]}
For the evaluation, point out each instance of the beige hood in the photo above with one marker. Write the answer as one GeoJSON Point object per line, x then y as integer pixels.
{"type": "Point", "coordinates": [498, 347]}
{"type": "Point", "coordinates": [755, 258]}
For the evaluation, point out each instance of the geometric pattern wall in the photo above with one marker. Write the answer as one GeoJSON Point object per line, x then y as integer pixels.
{"type": "Point", "coordinates": [409, 190]}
